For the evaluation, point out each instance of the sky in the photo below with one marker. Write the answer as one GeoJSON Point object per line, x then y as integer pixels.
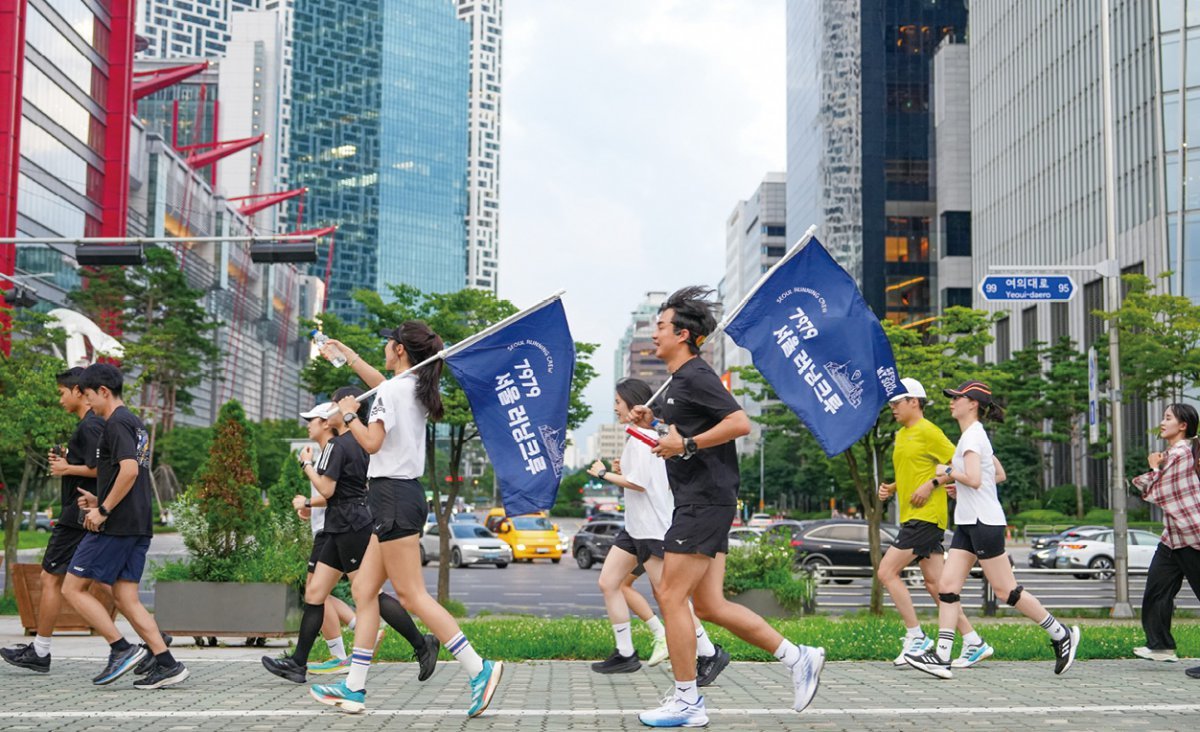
{"type": "Point", "coordinates": [630, 129]}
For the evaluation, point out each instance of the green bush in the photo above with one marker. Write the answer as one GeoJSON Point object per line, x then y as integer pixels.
{"type": "Point", "coordinates": [1032, 504]}
{"type": "Point", "coordinates": [767, 565]}
{"type": "Point", "coordinates": [1099, 516]}
{"type": "Point", "coordinates": [561, 511]}
{"type": "Point", "coordinates": [1062, 499]}
{"type": "Point", "coordinates": [1041, 516]}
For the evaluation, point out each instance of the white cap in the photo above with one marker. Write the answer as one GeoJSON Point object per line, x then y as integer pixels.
{"type": "Point", "coordinates": [913, 389]}
{"type": "Point", "coordinates": [324, 410]}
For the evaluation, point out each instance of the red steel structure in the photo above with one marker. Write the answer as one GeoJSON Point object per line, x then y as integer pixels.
{"type": "Point", "coordinates": [12, 66]}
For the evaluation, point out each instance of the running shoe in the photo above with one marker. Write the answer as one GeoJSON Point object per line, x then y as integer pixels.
{"type": "Point", "coordinates": [806, 676]}
{"type": "Point", "coordinates": [119, 664]}
{"type": "Point", "coordinates": [149, 662]}
{"type": "Point", "coordinates": [426, 657]}
{"type": "Point", "coordinates": [972, 654]}
{"type": "Point", "coordinates": [915, 646]}
{"type": "Point", "coordinates": [1064, 650]}
{"type": "Point", "coordinates": [340, 696]}
{"type": "Point", "coordinates": [708, 668]}
{"type": "Point", "coordinates": [1193, 673]}
{"type": "Point", "coordinates": [23, 656]}
{"type": "Point", "coordinates": [285, 667]}
{"type": "Point", "coordinates": [618, 664]}
{"type": "Point", "coordinates": [483, 686]}
{"type": "Point", "coordinates": [930, 663]}
{"type": "Point", "coordinates": [676, 713]}
{"type": "Point", "coordinates": [1150, 654]}
{"type": "Point", "coordinates": [332, 666]}
{"type": "Point", "coordinates": [162, 676]}
{"type": "Point", "coordinates": [659, 653]}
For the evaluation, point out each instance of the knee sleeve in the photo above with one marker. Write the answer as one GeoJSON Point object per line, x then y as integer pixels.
{"type": "Point", "coordinates": [1015, 596]}
{"type": "Point", "coordinates": [948, 597]}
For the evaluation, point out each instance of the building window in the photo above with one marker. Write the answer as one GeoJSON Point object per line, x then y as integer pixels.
{"type": "Point", "coordinates": [1060, 321]}
{"type": "Point", "coordinates": [907, 239]}
{"type": "Point", "coordinates": [956, 228]}
{"type": "Point", "coordinates": [1029, 327]}
{"type": "Point", "coordinates": [956, 297]}
{"type": "Point", "coordinates": [770, 230]}
{"type": "Point", "coordinates": [1003, 340]}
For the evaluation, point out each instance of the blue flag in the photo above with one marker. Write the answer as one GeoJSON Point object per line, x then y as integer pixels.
{"type": "Point", "coordinates": [518, 381]}
{"type": "Point", "coordinates": [819, 346]}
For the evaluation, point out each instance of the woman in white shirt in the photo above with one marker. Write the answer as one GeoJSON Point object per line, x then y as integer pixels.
{"type": "Point", "coordinates": [649, 506]}
{"type": "Point", "coordinates": [979, 534]}
{"type": "Point", "coordinates": [394, 436]}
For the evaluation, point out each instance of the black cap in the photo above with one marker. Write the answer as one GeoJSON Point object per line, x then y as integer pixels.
{"type": "Point", "coordinates": [393, 333]}
{"type": "Point", "coordinates": [976, 390]}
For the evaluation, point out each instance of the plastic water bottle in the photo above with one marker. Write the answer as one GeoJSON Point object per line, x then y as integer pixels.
{"type": "Point", "coordinates": [319, 339]}
{"type": "Point", "coordinates": [661, 427]}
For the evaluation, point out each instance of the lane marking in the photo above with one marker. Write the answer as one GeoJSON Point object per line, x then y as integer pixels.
{"type": "Point", "coordinates": [731, 712]}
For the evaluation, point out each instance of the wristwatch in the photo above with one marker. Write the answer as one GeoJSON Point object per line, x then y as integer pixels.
{"type": "Point", "coordinates": [689, 447]}
{"type": "Point", "coordinates": [308, 503]}
{"type": "Point", "coordinates": [601, 475]}
{"type": "Point", "coordinates": [949, 470]}
{"type": "Point", "coordinates": [103, 511]}
{"type": "Point", "coordinates": [349, 417]}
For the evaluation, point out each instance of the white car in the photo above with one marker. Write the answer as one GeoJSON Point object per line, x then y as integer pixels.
{"type": "Point", "coordinates": [743, 535]}
{"type": "Point", "coordinates": [759, 520]}
{"type": "Point", "coordinates": [1096, 552]}
{"type": "Point", "coordinates": [469, 544]}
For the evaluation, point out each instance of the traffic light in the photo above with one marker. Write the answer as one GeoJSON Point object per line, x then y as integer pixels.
{"type": "Point", "coordinates": [100, 255]}
{"type": "Point", "coordinates": [292, 251]}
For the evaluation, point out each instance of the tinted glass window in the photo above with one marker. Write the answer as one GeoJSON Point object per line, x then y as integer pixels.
{"type": "Point", "coordinates": [532, 523]}
{"type": "Point", "coordinates": [850, 533]}
{"type": "Point", "coordinates": [471, 531]}
{"type": "Point", "coordinates": [824, 532]}
{"type": "Point", "coordinates": [599, 529]}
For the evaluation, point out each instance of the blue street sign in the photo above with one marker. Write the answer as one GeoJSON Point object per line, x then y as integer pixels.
{"type": "Point", "coordinates": [1051, 288]}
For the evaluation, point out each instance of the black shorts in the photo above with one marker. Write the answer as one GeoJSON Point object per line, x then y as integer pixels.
{"type": "Point", "coordinates": [983, 540]}
{"type": "Point", "coordinates": [398, 507]}
{"type": "Point", "coordinates": [64, 540]}
{"type": "Point", "coordinates": [700, 530]}
{"type": "Point", "coordinates": [647, 548]}
{"type": "Point", "coordinates": [315, 555]}
{"type": "Point", "coordinates": [922, 538]}
{"type": "Point", "coordinates": [628, 544]}
{"type": "Point", "coordinates": [109, 559]}
{"type": "Point", "coordinates": [344, 551]}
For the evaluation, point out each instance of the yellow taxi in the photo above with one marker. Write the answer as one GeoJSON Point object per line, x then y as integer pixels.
{"type": "Point", "coordinates": [531, 536]}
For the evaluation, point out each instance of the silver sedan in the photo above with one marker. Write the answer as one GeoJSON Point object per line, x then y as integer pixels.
{"type": "Point", "coordinates": [469, 544]}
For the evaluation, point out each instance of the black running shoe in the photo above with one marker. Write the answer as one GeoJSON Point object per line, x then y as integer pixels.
{"type": "Point", "coordinates": [427, 657]}
{"type": "Point", "coordinates": [23, 656]}
{"type": "Point", "coordinates": [1193, 673]}
{"type": "Point", "coordinates": [930, 663]}
{"type": "Point", "coordinates": [1064, 650]}
{"type": "Point", "coordinates": [162, 676]}
{"type": "Point", "coordinates": [708, 668]}
{"type": "Point", "coordinates": [618, 664]}
{"type": "Point", "coordinates": [119, 664]}
{"type": "Point", "coordinates": [148, 663]}
{"type": "Point", "coordinates": [286, 667]}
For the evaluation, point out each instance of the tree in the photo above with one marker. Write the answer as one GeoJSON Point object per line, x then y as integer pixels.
{"type": "Point", "coordinates": [226, 493]}
{"type": "Point", "coordinates": [33, 420]}
{"type": "Point", "coordinates": [1159, 337]}
{"type": "Point", "coordinates": [454, 316]}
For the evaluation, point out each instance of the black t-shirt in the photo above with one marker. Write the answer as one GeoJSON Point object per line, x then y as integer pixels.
{"type": "Point", "coordinates": [125, 438]}
{"type": "Point", "coordinates": [694, 403]}
{"type": "Point", "coordinates": [81, 450]}
{"type": "Point", "coordinates": [345, 461]}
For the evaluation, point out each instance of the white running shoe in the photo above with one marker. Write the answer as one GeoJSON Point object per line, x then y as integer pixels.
{"type": "Point", "coordinates": [915, 646]}
{"type": "Point", "coordinates": [676, 712]}
{"type": "Point", "coordinates": [971, 655]}
{"type": "Point", "coordinates": [1165, 655]}
{"type": "Point", "coordinates": [659, 653]}
{"type": "Point", "coordinates": [806, 676]}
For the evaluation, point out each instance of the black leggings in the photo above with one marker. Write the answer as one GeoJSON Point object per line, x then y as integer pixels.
{"type": "Point", "coordinates": [390, 610]}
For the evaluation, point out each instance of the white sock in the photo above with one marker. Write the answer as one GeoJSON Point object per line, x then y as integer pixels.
{"type": "Point", "coordinates": [945, 642]}
{"type": "Point", "coordinates": [656, 627]}
{"type": "Point", "coordinates": [337, 647]}
{"type": "Point", "coordinates": [461, 649]}
{"type": "Point", "coordinates": [704, 646]}
{"type": "Point", "coordinates": [788, 653]}
{"type": "Point", "coordinates": [353, 622]}
{"type": "Point", "coordinates": [1053, 627]}
{"type": "Point", "coordinates": [914, 632]}
{"type": "Point", "coordinates": [686, 691]}
{"type": "Point", "coordinates": [624, 635]}
{"type": "Point", "coordinates": [972, 639]}
{"type": "Point", "coordinates": [360, 663]}
{"type": "Point", "coordinates": [41, 646]}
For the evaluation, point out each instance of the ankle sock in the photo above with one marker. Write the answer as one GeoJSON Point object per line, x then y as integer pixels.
{"type": "Point", "coordinates": [788, 653]}
{"type": "Point", "coordinates": [623, 634]}
{"type": "Point", "coordinates": [704, 645]}
{"type": "Point", "coordinates": [41, 646]}
{"type": "Point", "coordinates": [360, 663]}
{"type": "Point", "coordinates": [462, 651]}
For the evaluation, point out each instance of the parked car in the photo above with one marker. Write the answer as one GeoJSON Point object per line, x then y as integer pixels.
{"type": "Point", "coordinates": [469, 544]}
{"type": "Point", "coordinates": [1044, 550]}
{"type": "Point", "coordinates": [1096, 552]}
{"type": "Point", "coordinates": [743, 535]}
{"type": "Point", "coordinates": [606, 516]}
{"type": "Point", "coordinates": [531, 536]}
{"type": "Point", "coordinates": [759, 520]}
{"type": "Point", "coordinates": [42, 522]}
{"type": "Point", "coordinates": [593, 540]}
{"type": "Point", "coordinates": [785, 529]}
{"type": "Point", "coordinates": [822, 545]}
{"type": "Point", "coordinates": [466, 517]}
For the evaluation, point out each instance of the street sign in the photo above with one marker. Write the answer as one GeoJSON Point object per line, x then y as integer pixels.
{"type": "Point", "coordinates": [1049, 288]}
{"type": "Point", "coordinates": [1093, 397]}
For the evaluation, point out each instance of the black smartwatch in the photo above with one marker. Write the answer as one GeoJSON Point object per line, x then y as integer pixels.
{"type": "Point", "coordinates": [103, 511]}
{"type": "Point", "coordinates": [689, 447]}
{"type": "Point", "coordinates": [602, 474]}
{"type": "Point", "coordinates": [349, 417]}
{"type": "Point", "coordinates": [308, 503]}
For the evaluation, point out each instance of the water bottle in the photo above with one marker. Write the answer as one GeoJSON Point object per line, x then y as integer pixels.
{"type": "Point", "coordinates": [319, 339]}
{"type": "Point", "coordinates": [661, 427]}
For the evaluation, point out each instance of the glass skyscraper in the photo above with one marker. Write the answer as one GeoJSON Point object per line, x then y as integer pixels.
{"type": "Point", "coordinates": [379, 137]}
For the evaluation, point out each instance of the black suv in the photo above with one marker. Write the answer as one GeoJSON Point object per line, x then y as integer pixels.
{"type": "Point", "coordinates": [593, 541]}
{"type": "Point", "coordinates": [841, 543]}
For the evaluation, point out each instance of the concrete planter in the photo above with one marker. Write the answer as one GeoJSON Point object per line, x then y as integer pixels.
{"type": "Point", "coordinates": [27, 586]}
{"type": "Point", "coordinates": [250, 610]}
{"type": "Point", "coordinates": [764, 603]}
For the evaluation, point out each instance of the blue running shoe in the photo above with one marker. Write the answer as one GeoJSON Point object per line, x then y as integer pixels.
{"type": "Point", "coordinates": [483, 686]}
{"type": "Point", "coordinates": [340, 696]}
{"type": "Point", "coordinates": [971, 655]}
{"type": "Point", "coordinates": [675, 712]}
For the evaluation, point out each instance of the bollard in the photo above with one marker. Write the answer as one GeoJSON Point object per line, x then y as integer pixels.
{"type": "Point", "coordinates": [989, 599]}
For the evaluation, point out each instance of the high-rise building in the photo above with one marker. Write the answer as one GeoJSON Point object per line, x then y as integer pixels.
{"type": "Point", "coordinates": [858, 77]}
{"type": "Point", "coordinates": [483, 153]}
{"type": "Point", "coordinates": [188, 27]}
{"type": "Point", "coordinates": [950, 174]}
{"type": "Point", "coordinates": [635, 351]}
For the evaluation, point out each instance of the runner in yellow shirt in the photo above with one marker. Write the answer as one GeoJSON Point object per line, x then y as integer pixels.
{"type": "Point", "coordinates": [920, 447]}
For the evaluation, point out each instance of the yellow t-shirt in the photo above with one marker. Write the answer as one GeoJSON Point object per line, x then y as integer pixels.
{"type": "Point", "coordinates": [919, 449]}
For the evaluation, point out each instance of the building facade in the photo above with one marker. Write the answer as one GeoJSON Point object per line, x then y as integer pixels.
{"type": "Point", "coordinates": [201, 28]}
{"type": "Point", "coordinates": [634, 356]}
{"type": "Point", "coordinates": [483, 152]}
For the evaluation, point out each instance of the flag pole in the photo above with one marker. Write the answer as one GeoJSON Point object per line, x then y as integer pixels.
{"type": "Point", "coordinates": [464, 343]}
{"type": "Point", "coordinates": [808, 235]}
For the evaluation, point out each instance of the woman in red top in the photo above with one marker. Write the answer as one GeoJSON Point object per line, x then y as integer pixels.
{"type": "Point", "coordinates": [1173, 484]}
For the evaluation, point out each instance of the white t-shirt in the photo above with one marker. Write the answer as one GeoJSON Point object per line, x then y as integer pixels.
{"type": "Point", "coordinates": [403, 452]}
{"type": "Point", "coordinates": [648, 514]}
{"type": "Point", "coordinates": [318, 512]}
{"type": "Point", "coordinates": [977, 505]}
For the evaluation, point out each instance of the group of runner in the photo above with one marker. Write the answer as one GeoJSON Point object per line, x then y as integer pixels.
{"type": "Point", "coordinates": [680, 478]}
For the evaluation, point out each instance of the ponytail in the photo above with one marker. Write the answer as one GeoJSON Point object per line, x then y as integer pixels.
{"type": "Point", "coordinates": [421, 344]}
